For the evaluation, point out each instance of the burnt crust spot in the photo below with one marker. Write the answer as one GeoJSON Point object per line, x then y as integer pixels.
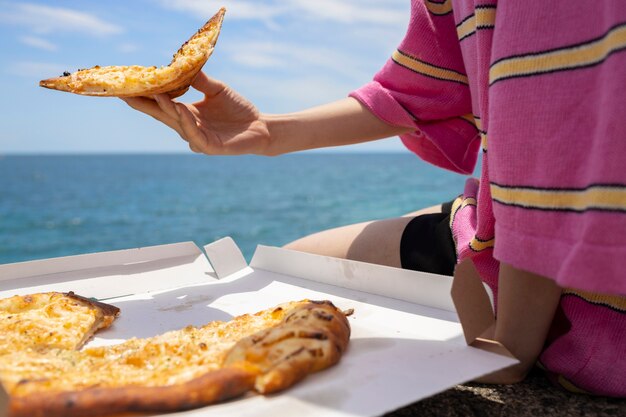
{"type": "Point", "coordinates": [323, 302]}
{"type": "Point", "coordinates": [287, 335]}
{"type": "Point", "coordinates": [107, 309]}
{"type": "Point", "coordinates": [316, 353]}
{"type": "Point", "coordinates": [214, 21]}
{"type": "Point", "coordinates": [317, 335]}
{"type": "Point", "coordinates": [322, 315]}
{"type": "Point", "coordinates": [294, 353]}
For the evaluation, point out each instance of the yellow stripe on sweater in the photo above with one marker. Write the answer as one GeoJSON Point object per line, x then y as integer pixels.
{"type": "Point", "coordinates": [427, 69]}
{"type": "Point", "coordinates": [469, 118]}
{"type": "Point", "coordinates": [479, 123]}
{"type": "Point", "coordinates": [597, 197]}
{"type": "Point", "coordinates": [572, 57]}
{"type": "Point", "coordinates": [480, 245]}
{"type": "Point", "coordinates": [483, 141]}
{"type": "Point", "coordinates": [439, 8]}
{"type": "Point", "coordinates": [565, 383]}
{"type": "Point", "coordinates": [466, 27]}
{"type": "Point", "coordinates": [615, 302]}
{"type": "Point", "coordinates": [483, 18]}
{"type": "Point", "coordinates": [458, 204]}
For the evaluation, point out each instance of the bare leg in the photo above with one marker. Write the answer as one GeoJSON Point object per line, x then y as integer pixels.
{"type": "Point", "coordinates": [375, 242]}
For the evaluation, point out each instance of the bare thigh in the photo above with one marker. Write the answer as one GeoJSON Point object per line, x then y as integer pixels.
{"type": "Point", "coordinates": [375, 242]}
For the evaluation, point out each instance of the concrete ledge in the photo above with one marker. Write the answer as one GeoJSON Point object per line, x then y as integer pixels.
{"type": "Point", "coordinates": [534, 397]}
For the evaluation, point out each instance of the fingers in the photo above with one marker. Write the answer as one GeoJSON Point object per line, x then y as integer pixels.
{"type": "Point", "coordinates": [194, 149]}
{"type": "Point", "coordinates": [165, 109]}
{"type": "Point", "coordinates": [209, 86]}
{"type": "Point", "coordinates": [167, 105]}
{"type": "Point", "coordinates": [196, 138]}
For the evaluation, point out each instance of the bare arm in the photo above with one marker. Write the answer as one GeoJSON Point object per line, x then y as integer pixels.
{"type": "Point", "coordinates": [226, 123]}
{"type": "Point", "coordinates": [342, 122]}
{"type": "Point", "coordinates": [526, 306]}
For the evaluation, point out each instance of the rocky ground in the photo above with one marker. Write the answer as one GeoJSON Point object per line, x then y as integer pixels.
{"type": "Point", "coordinates": [534, 397]}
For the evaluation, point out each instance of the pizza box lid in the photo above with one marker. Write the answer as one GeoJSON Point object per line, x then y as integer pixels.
{"type": "Point", "coordinates": [406, 344]}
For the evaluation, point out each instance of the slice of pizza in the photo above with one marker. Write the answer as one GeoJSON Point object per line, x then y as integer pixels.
{"type": "Point", "coordinates": [51, 320]}
{"type": "Point", "coordinates": [133, 81]}
{"type": "Point", "coordinates": [310, 338]}
{"type": "Point", "coordinates": [188, 368]}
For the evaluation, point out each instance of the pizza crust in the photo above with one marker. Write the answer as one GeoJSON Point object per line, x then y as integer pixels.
{"type": "Point", "coordinates": [135, 80]}
{"type": "Point", "coordinates": [310, 338]}
{"type": "Point", "coordinates": [213, 387]}
{"type": "Point", "coordinates": [51, 320]}
{"type": "Point", "coordinates": [263, 352]}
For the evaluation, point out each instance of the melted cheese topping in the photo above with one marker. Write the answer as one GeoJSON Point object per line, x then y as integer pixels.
{"type": "Point", "coordinates": [137, 79]}
{"type": "Point", "coordinates": [171, 358]}
{"type": "Point", "coordinates": [45, 320]}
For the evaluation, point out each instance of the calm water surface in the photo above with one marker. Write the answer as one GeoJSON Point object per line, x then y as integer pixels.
{"type": "Point", "coordinates": [64, 205]}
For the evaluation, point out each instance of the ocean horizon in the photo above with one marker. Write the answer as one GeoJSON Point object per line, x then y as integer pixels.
{"type": "Point", "coordinates": [55, 205]}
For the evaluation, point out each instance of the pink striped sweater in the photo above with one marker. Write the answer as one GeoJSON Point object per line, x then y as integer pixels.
{"type": "Point", "coordinates": [539, 90]}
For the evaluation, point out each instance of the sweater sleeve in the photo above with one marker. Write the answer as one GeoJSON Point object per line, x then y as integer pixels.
{"type": "Point", "coordinates": [423, 85]}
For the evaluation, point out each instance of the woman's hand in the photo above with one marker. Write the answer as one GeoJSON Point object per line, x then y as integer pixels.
{"type": "Point", "coordinates": [222, 123]}
{"type": "Point", "coordinates": [225, 123]}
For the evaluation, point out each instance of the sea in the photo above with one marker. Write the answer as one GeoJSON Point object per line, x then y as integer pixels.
{"type": "Point", "coordinates": [61, 205]}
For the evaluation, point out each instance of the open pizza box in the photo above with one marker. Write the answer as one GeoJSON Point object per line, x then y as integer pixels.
{"type": "Point", "coordinates": [406, 344]}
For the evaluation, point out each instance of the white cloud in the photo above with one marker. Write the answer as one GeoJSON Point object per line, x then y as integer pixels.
{"type": "Point", "coordinates": [46, 19]}
{"type": "Point", "coordinates": [258, 59]}
{"type": "Point", "coordinates": [291, 93]}
{"type": "Point", "coordinates": [274, 54]}
{"type": "Point", "coordinates": [356, 12]}
{"type": "Point", "coordinates": [37, 42]}
{"type": "Point", "coordinates": [236, 9]}
{"type": "Point", "coordinates": [381, 12]}
{"type": "Point", "coordinates": [343, 36]}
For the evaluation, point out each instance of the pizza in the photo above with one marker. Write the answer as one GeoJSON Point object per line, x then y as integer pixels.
{"type": "Point", "coordinates": [264, 352]}
{"type": "Point", "coordinates": [64, 321]}
{"type": "Point", "coordinates": [133, 81]}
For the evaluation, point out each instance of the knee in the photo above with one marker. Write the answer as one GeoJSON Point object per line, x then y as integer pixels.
{"type": "Point", "coordinates": [304, 244]}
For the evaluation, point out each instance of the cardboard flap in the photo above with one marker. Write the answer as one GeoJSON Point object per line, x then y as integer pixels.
{"type": "Point", "coordinates": [474, 306]}
{"type": "Point", "coordinates": [429, 290]}
{"type": "Point", "coordinates": [96, 260]}
{"type": "Point", "coordinates": [110, 274]}
{"type": "Point", "coordinates": [225, 257]}
{"type": "Point", "coordinates": [472, 301]}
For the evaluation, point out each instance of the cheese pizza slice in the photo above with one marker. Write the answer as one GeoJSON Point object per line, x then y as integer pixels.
{"type": "Point", "coordinates": [135, 80]}
{"type": "Point", "coordinates": [195, 366]}
{"type": "Point", "coordinates": [310, 338]}
{"type": "Point", "coordinates": [51, 320]}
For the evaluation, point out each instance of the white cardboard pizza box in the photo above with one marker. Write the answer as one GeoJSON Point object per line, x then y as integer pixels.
{"type": "Point", "coordinates": [406, 343]}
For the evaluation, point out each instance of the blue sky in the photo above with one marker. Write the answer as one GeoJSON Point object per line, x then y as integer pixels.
{"type": "Point", "coordinates": [284, 55]}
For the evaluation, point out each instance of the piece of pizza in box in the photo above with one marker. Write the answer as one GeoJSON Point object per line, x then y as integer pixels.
{"type": "Point", "coordinates": [134, 81]}
{"type": "Point", "coordinates": [187, 368]}
{"type": "Point", "coordinates": [51, 320]}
